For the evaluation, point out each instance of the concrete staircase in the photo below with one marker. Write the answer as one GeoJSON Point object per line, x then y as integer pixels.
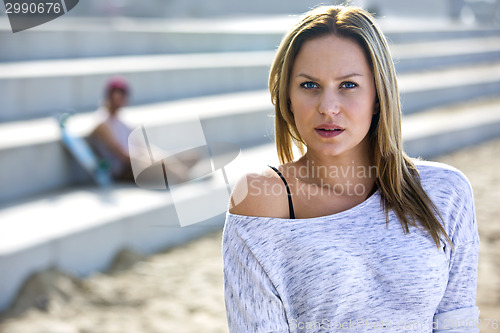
{"type": "Point", "coordinates": [182, 70]}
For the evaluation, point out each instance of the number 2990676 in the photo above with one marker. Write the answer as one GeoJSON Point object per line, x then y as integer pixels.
{"type": "Point", "coordinates": [33, 8]}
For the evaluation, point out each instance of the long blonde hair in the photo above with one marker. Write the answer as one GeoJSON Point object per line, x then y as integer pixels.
{"type": "Point", "coordinates": [398, 179]}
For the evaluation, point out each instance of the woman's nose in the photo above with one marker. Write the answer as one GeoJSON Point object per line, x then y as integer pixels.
{"type": "Point", "coordinates": [329, 103]}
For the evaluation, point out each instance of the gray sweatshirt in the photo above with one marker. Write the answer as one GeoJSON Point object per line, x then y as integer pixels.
{"type": "Point", "coordinates": [350, 272]}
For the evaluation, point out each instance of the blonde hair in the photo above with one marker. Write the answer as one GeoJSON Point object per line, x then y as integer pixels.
{"type": "Point", "coordinates": [398, 179]}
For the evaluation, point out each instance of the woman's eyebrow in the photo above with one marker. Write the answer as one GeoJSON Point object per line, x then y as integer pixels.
{"type": "Point", "coordinates": [307, 76]}
{"type": "Point", "coordinates": [343, 77]}
{"type": "Point", "coordinates": [348, 76]}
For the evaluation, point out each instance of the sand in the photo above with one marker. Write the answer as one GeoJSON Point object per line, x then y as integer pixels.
{"type": "Point", "coordinates": [481, 165]}
{"type": "Point", "coordinates": [181, 290]}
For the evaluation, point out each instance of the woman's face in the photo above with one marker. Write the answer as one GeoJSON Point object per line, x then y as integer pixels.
{"type": "Point", "coordinates": [332, 96]}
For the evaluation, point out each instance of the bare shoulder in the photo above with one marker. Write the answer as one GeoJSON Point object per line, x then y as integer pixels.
{"type": "Point", "coordinates": [100, 130]}
{"type": "Point", "coordinates": [260, 194]}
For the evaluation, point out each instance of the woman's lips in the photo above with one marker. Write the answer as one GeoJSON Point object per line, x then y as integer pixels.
{"type": "Point", "coordinates": [329, 131]}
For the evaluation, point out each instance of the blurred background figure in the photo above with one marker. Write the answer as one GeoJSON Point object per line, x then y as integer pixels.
{"type": "Point", "coordinates": [110, 137]}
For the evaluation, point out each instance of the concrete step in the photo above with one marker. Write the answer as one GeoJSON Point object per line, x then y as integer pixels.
{"type": "Point", "coordinates": [40, 88]}
{"type": "Point", "coordinates": [413, 34]}
{"type": "Point", "coordinates": [92, 37]}
{"type": "Point", "coordinates": [57, 230]}
{"type": "Point", "coordinates": [108, 37]}
{"type": "Point", "coordinates": [445, 53]}
{"type": "Point", "coordinates": [442, 130]}
{"type": "Point", "coordinates": [430, 89]}
{"type": "Point", "coordinates": [36, 89]}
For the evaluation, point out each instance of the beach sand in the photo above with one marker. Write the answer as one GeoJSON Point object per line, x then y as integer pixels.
{"type": "Point", "coordinates": [181, 290]}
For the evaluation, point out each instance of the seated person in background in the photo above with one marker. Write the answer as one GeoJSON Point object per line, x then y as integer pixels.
{"type": "Point", "coordinates": [110, 137]}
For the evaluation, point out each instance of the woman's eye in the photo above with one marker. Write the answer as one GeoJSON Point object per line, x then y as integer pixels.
{"type": "Point", "coordinates": [348, 85]}
{"type": "Point", "coordinates": [309, 85]}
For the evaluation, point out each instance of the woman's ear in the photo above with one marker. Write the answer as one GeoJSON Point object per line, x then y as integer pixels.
{"type": "Point", "coordinates": [289, 104]}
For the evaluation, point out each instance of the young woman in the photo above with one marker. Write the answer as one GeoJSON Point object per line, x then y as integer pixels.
{"type": "Point", "coordinates": [353, 235]}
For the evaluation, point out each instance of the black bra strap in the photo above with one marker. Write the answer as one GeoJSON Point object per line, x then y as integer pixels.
{"type": "Point", "coordinates": [290, 204]}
